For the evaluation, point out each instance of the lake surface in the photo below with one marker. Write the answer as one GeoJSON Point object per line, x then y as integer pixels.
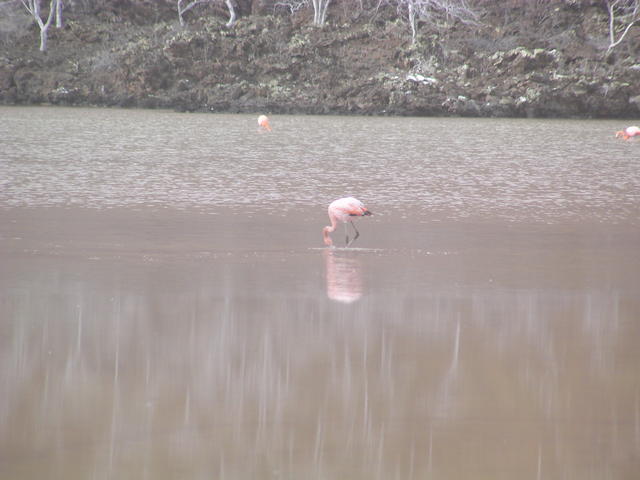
{"type": "Point", "coordinates": [168, 309]}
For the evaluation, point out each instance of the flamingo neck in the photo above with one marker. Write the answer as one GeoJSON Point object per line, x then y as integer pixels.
{"type": "Point", "coordinates": [327, 230]}
{"type": "Point", "coordinates": [325, 235]}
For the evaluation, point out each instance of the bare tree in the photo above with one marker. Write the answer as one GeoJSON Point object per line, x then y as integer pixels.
{"type": "Point", "coordinates": [320, 11]}
{"type": "Point", "coordinates": [432, 11]}
{"type": "Point", "coordinates": [320, 8]}
{"type": "Point", "coordinates": [59, 7]}
{"type": "Point", "coordinates": [627, 13]}
{"type": "Point", "coordinates": [55, 9]}
{"type": "Point", "coordinates": [182, 9]}
{"type": "Point", "coordinates": [292, 5]}
{"type": "Point", "coordinates": [185, 7]}
{"type": "Point", "coordinates": [232, 12]}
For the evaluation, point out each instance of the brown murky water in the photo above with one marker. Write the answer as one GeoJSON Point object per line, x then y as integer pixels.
{"type": "Point", "coordinates": [167, 308]}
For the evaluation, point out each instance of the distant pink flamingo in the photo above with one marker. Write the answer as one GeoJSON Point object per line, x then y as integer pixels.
{"type": "Point", "coordinates": [628, 132]}
{"type": "Point", "coordinates": [342, 210]}
{"type": "Point", "coordinates": [263, 121]}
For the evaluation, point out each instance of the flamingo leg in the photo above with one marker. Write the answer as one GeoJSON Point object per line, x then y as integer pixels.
{"type": "Point", "coordinates": [355, 230]}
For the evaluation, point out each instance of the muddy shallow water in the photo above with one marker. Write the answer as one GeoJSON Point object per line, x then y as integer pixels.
{"type": "Point", "coordinates": [160, 324]}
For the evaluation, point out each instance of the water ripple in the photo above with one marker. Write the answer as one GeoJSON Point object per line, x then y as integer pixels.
{"type": "Point", "coordinates": [534, 170]}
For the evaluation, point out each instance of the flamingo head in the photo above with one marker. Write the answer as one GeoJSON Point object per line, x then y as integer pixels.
{"type": "Point", "coordinates": [325, 235]}
{"type": "Point", "coordinates": [622, 133]}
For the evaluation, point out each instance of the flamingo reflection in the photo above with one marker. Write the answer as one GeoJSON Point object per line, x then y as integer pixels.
{"type": "Point", "coordinates": [344, 276]}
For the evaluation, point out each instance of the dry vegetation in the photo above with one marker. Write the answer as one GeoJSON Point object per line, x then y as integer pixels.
{"type": "Point", "coordinates": [485, 58]}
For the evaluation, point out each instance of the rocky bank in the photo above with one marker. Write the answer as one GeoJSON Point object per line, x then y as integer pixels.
{"type": "Point", "coordinates": [511, 64]}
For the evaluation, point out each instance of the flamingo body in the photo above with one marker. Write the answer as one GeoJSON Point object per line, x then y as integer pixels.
{"type": "Point", "coordinates": [343, 210]}
{"type": "Point", "coordinates": [628, 132]}
{"type": "Point", "coordinates": [263, 121]}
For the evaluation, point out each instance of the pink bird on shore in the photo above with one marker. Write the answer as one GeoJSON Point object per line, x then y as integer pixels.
{"type": "Point", "coordinates": [343, 210]}
{"type": "Point", "coordinates": [628, 132]}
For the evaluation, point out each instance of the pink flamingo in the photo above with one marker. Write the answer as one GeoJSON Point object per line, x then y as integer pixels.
{"type": "Point", "coordinates": [342, 210]}
{"type": "Point", "coordinates": [263, 121]}
{"type": "Point", "coordinates": [628, 132]}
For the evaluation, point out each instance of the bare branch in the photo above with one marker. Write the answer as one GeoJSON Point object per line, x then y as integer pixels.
{"type": "Point", "coordinates": [320, 8]}
{"type": "Point", "coordinates": [182, 10]}
{"type": "Point", "coordinates": [292, 5]}
{"type": "Point", "coordinates": [628, 12]}
{"type": "Point", "coordinates": [431, 11]}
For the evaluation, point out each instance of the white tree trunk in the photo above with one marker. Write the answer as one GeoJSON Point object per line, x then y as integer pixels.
{"type": "Point", "coordinates": [59, 13]}
{"type": "Point", "coordinates": [33, 7]}
{"type": "Point", "coordinates": [412, 22]}
{"type": "Point", "coordinates": [43, 39]}
{"type": "Point", "coordinates": [320, 11]}
{"type": "Point", "coordinates": [232, 13]}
